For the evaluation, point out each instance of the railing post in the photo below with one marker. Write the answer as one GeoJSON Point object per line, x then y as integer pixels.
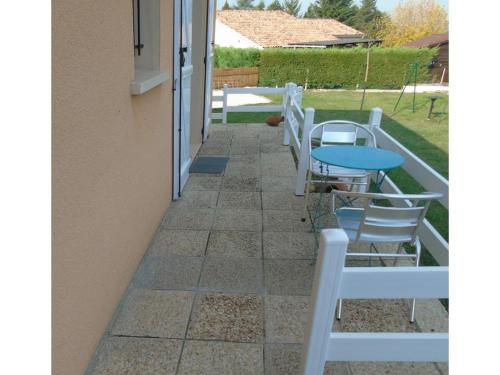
{"type": "Point", "coordinates": [304, 151]}
{"type": "Point", "coordinates": [325, 293]}
{"type": "Point", "coordinates": [286, 111]}
{"type": "Point", "coordinates": [375, 119]}
{"type": "Point", "coordinates": [300, 94]}
{"type": "Point", "coordinates": [224, 104]}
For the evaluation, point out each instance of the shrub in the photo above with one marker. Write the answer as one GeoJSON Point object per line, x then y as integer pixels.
{"type": "Point", "coordinates": [227, 57]}
{"type": "Point", "coordinates": [342, 68]}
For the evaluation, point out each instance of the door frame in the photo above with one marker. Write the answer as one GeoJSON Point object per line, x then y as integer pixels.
{"type": "Point", "coordinates": [209, 54]}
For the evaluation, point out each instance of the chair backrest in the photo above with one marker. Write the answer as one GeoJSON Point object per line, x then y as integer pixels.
{"type": "Point", "coordinates": [397, 223]}
{"type": "Point", "coordinates": [332, 281]}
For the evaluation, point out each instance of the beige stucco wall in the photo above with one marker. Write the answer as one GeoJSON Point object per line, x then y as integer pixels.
{"type": "Point", "coordinates": [198, 79]}
{"type": "Point", "coordinates": [111, 168]}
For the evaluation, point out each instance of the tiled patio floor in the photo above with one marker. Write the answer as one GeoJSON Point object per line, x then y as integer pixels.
{"type": "Point", "coordinates": [224, 287]}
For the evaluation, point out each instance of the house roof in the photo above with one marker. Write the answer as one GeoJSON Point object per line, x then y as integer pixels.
{"type": "Point", "coordinates": [429, 41]}
{"type": "Point", "coordinates": [275, 28]}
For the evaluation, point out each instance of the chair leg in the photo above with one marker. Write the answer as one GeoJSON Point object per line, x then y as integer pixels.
{"type": "Point", "coordinates": [418, 250]}
{"type": "Point", "coordinates": [400, 248]}
{"type": "Point", "coordinates": [339, 309]}
{"type": "Point", "coordinates": [306, 203]}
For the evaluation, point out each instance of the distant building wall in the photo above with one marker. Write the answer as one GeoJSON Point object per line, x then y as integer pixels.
{"type": "Point", "coordinates": [225, 36]}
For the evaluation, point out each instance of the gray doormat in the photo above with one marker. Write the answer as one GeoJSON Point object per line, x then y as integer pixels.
{"type": "Point", "coordinates": [209, 164]}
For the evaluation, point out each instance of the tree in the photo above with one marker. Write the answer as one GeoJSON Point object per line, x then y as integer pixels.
{"type": "Point", "coordinates": [261, 5]}
{"type": "Point", "coordinates": [226, 6]}
{"type": "Point", "coordinates": [366, 17]}
{"type": "Point", "coordinates": [292, 7]}
{"type": "Point", "coordinates": [412, 20]}
{"type": "Point", "coordinates": [244, 4]}
{"type": "Point", "coordinates": [275, 5]}
{"type": "Point", "coordinates": [341, 10]}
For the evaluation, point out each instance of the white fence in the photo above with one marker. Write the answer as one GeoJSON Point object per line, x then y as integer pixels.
{"type": "Point", "coordinates": [299, 122]}
{"type": "Point", "coordinates": [332, 281]}
{"type": "Point", "coordinates": [252, 108]}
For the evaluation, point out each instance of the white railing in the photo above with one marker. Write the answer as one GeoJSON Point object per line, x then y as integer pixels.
{"type": "Point", "coordinates": [332, 281]}
{"type": "Point", "coordinates": [252, 108]}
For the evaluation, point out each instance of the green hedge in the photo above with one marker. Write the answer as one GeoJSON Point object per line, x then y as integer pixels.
{"type": "Point", "coordinates": [227, 57]}
{"type": "Point", "coordinates": [341, 68]}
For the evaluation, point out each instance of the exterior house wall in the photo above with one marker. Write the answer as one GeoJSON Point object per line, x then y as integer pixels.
{"type": "Point", "coordinates": [225, 36]}
{"type": "Point", "coordinates": [112, 175]}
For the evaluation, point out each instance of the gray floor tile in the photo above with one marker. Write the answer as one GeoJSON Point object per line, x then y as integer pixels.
{"type": "Point", "coordinates": [282, 359]}
{"type": "Point", "coordinates": [272, 183]}
{"type": "Point", "coordinates": [215, 149]}
{"type": "Point", "coordinates": [180, 242]}
{"type": "Point", "coordinates": [235, 244]}
{"type": "Point", "coordinates": [238, 219]}
{"type": "Point", "coordinates": [285, 221]}
{"type": "Point", "coordinates": [282, 201]}
{"type": "Point", "coordinates": [197, 183]}
{"type": "Point", "coordinates": [232, 274]}
{"type": "Point", "coordinates": [226, 317]}
{"type": "Point", "coordinates": [245, 149]}
{"type": "Point", "coordinates": [242, 168]}
{"type": "Point", "coordinates": [196, 199]}
{"type": "Point", "coordinates": [286, 318]}
{"type": "Point", "coordinates": [393, 368]}
{"type": "Point", "coordinates": [191, 219]}
{"type": "Point", "coordinates": [288, 276]}
{"type": "Point", "coordinates": [240, 183]}
{"type": "Point", "coordinates": [171, 272]}
{"type": "Point", "coordinates": [278, 164]}
{"type": "Point", "coordinates": [154, 313]}
{"type": "Point", "coordinates": [239, 199]}
{"type": "Point", "coordinates": [288, 245]}
{"type": "Point", "coordinates": [128, 355]}
{"type": "Point", "coordinates": [221, 358]}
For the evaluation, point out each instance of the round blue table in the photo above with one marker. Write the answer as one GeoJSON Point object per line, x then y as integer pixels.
{"type": "Point", "coordinates": [358, 157]}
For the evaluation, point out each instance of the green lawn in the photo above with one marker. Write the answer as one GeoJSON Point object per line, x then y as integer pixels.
{"type": "Point", "coordinates": [426, 138]}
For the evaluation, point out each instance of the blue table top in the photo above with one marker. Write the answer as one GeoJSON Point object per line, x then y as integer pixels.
{"type": "Point", "coordinates": [358, 157]}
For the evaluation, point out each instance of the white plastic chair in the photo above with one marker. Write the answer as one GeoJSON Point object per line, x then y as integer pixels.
{"type": "Point", "coordinates": [337, 132]}
{"type": "Point", "coordinates": [375, 223]}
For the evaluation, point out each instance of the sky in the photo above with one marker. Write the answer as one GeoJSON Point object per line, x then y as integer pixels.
{"type": "Point", "coordinates": [383, 5]}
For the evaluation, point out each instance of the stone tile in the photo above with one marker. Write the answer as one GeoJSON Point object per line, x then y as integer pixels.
{"type": "Point", "coordinates": [226, 317]}
{"type": "Point", "coordinates": [240, 183]}
{"type": "Point", "coordinates": [284, 359]}
{"type": "Point", "coordinates": [154, 313]}
{"type": "Point", "coordinates": [242, 168]}
{"type": "Point", "coordinates": [286, 318]}
{"type": "Point", "coordinates": [273, 147]}
{"type": "Point", "coordinates": [245, 149]}
{"type": "Point", "coordinates": [288, 276]}
{"type": "Point", "coordinates": [393, 368]}
{"type": "Point", "coordinates": [196, 199]}
{"type": "Point", "coordinates": [232, 274]}
{"type": "Point", "coordinates": [272, 183]}
{"type": "Point", "coordinates": [382, 315]}
{"type": "Point", "coordinates": [278, 164]}
{"type": "Point", "coordinates": [238, 219]}
{"type": "Point", "coordinates": [221, 358]}
{"type": "Point", "coordinates": [191, 219]}
{"type": "Point", "coordinates": [288, 245]}
{"type": "Point", "coordinates": [197, 183]}
{"type": "Point", "coordinates": [235, 244]}
{"type": "Point", "coordinates": [127, 355]}
{"type": "Point", "coordinates": [215, 149]}
{"type": "Point", "coordinates": [240, 199]}
{"type": "Point", "coordinates": [180, 242]}
{"type": "Point", "coordinates": [172, 272]}
{"type": "Point", "coordinates": [284, 221]}
{"type": "Point", "coordinates": [431, 316]}
{"type": "Point", "coordinates": [282, 201]}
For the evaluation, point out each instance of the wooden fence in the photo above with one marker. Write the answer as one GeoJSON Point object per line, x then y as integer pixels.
{"type": "Point", "coordinates": [235, 77]}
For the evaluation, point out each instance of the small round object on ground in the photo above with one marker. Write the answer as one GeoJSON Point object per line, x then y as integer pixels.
{"type": "Point", "coordinates": [274, 120]}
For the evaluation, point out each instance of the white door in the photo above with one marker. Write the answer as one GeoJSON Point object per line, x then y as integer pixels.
{"type": "Point", "coordinates": [209, 57]}
{"type": "Point", "coordinates": [183, 70]}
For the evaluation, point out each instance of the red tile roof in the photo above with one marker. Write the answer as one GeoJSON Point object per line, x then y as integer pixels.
{"type": "Point", "coordinates": [275, 28]}
{"type": "Point", "coordinates": [429, 41]}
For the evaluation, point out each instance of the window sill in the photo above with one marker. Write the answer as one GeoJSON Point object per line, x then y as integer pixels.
{"type": "Point", "coordinates": [146, 80]}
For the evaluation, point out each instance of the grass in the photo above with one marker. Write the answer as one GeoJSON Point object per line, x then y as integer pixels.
{"type": "Point", "coordinates": [428, 139]}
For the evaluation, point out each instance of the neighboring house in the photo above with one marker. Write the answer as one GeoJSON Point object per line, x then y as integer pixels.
{"type": "Point", "coordinates": [122, 141]}
{"type": "Point", "coordinates": [266, 28]}
{"type": "Point", "coordinates": [440, 67]}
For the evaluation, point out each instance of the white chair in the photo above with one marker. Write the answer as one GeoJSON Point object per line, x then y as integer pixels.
{"type": "Point", "coordinates": [332, 281]}
{"type": "Point", "coordinates": [376, 223]}
{"type": "Point", "coordinates": [337, 132]}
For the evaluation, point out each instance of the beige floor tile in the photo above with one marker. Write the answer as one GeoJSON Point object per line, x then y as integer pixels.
{"type": "Point", "coordinates": [239, 244]}
{"type": "Point", "coordinates": [286, 318]}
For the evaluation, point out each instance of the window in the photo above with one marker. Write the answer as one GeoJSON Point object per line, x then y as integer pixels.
{"type": "Point", "coordinates": [146, 44]}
